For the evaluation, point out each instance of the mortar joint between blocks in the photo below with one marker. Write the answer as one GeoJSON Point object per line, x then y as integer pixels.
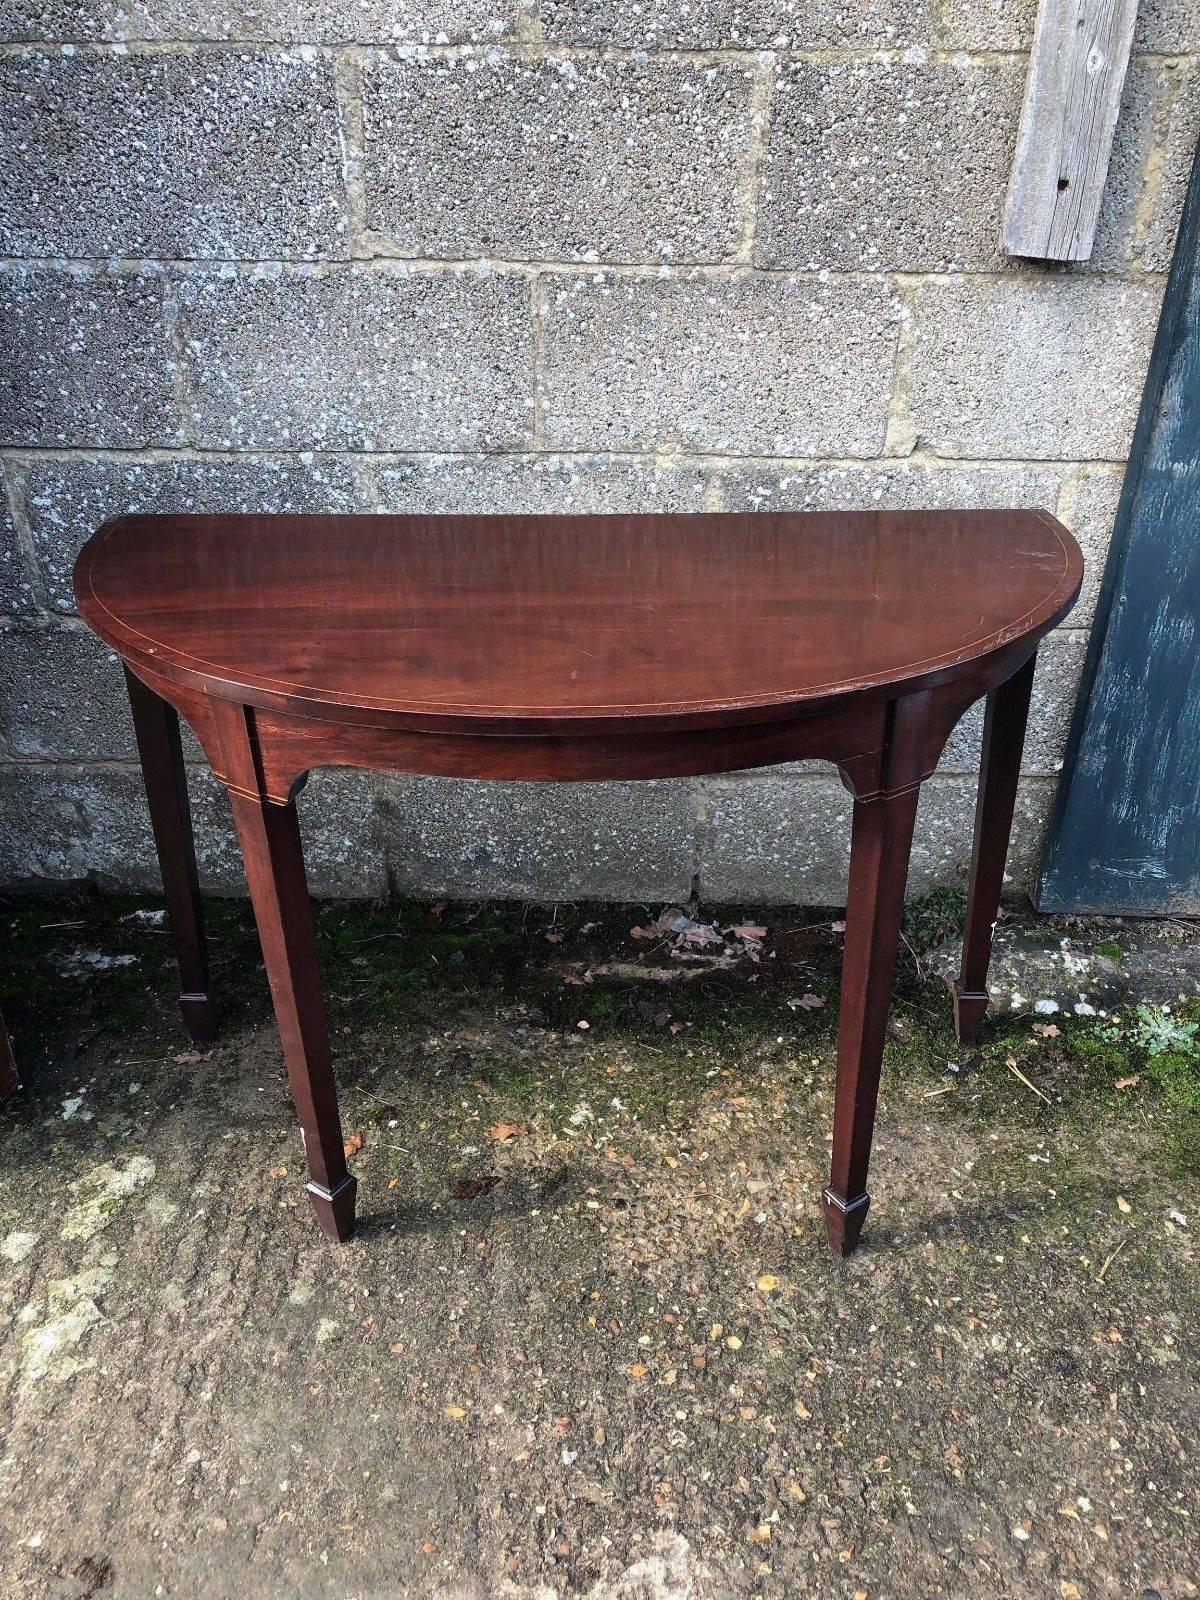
{"type": "Point", "coordinates": [528, 28]}
{"type": "Point", "coordinates": [901, 438]}
{"type": "Point", "coordinates": [537, 316]}
{"type": "Point", "coordinates": [1154, 165]}
{"type": "Point", "coordinates": [347, 82]}
{"type": "Point", "coordinates": [29, 567]}
{"type": "Point", "coordinates": [758, 138]}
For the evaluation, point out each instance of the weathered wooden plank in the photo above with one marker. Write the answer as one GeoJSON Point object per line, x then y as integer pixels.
{"type": "Point", "coordinates": [1125, 836]}
{"type": "Point", "coordinates": [1069, 115]}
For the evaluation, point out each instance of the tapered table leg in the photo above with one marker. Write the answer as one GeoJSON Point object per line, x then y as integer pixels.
{"type": "Point", "coordinates": [160, 749]}
{"type": "Point", "coordinates": [879, 852]}
{"type": "Point", "coordinates": [1000, 770]}
{"type": "Point", "coordinates": [270, 840]}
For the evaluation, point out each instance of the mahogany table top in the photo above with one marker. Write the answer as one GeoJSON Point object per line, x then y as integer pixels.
{"type": "Point", "coordinates": [524, 624]}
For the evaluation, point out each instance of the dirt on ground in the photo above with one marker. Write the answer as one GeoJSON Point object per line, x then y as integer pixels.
{"type": "Point", "coordinates": [588, 1339]}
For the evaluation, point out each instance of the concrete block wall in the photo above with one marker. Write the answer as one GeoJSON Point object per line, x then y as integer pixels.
{"type": "Point", "coordinates": [528, 255]}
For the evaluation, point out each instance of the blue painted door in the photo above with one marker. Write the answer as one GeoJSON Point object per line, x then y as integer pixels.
{"type": "Point", "coordinates": [1126, 830]}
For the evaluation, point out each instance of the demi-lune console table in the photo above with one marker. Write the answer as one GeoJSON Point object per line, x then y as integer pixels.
{"type": "Point", "coordinates": [558, 648]}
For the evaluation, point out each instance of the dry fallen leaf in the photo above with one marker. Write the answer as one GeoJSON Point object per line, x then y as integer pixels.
{"type": "Point", "coordinates": [761, 1534]}
{"type": "Point", "coordinates": [1046, 1030]}
{"type": "Point", "coordinates": [354, 1144]}
{"type": "Point", "coordinates": [1126, 1083]}
{"type": "Point", "coordinates": [457, 1412]}
{"type": "Point", "coordinates": [661, 925]}
{"type": "Point", "coordinates": [502, 1132]}
{"type": "Point", "coordinates": [278, 1172]}
{"type": "Point", "coordinates": [767, 1281]}
{"type": "Point", "coordinates": [638, 1370]}
{"type": "Point", "coordinates": [802, 1410]}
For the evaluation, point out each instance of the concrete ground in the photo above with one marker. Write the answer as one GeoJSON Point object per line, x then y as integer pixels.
{"type": "Point", "coordinates": [588, 1340]}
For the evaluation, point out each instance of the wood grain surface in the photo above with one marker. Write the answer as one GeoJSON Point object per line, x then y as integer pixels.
{"type": "Point", "coordinates": [532, 624]}
{"type": "Point", "coordinates": [1068, 119]}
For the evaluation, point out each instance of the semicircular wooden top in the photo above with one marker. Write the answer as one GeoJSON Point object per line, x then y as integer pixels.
{"type": "Point", "coordinates": [512, 624]}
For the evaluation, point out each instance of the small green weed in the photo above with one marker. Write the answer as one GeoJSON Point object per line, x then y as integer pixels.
{"type": "Point", "coordinates": [1158, 1032]}
{"type": "Point", "coordinates": [932, 918]}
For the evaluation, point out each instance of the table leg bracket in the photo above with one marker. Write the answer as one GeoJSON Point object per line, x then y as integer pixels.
{"type": "Point", "coordinates": [198, 1017]}
{"type": "Point", "coordinates": [335, 1208]}
{"type": "Point", "coordinates": [969, 1010]}
{"type": "Point", "coordinates": [844, 1220]}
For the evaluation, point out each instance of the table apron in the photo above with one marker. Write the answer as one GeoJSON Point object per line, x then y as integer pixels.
{"type": "Point", "coordinates": [856, 735]}
{"type": "Point", "coordinates": [290, 745]}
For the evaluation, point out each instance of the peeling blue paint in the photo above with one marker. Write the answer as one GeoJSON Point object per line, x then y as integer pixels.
{"type": "Point", "coordinates": [1126, 830]}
